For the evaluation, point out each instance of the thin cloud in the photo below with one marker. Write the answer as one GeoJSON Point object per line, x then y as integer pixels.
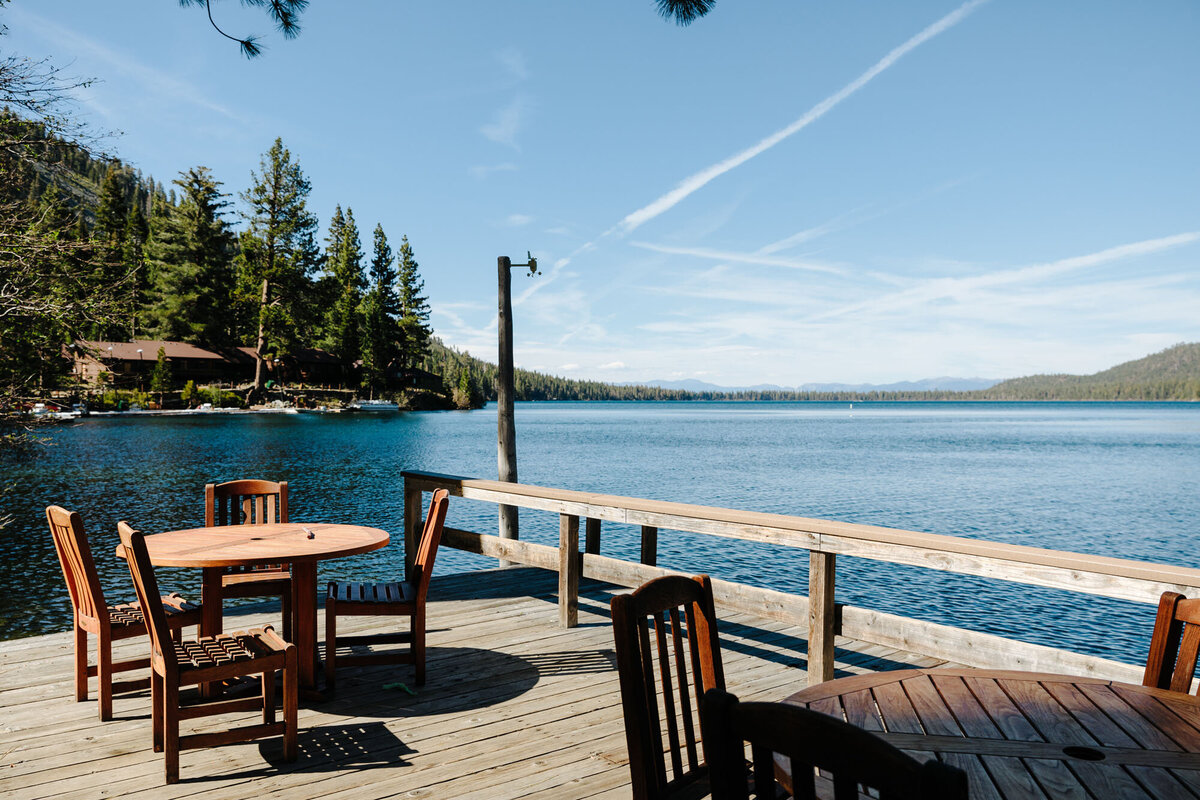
{"type": "Point", "coordinates": [514, 61]}
{"type": "Point", "coordinates": [517, 220]}
{"type": "Point", "coordinates": [940, 288]}
{"type": "Point", "coordinates": [507, 123]}
{"type": "Point", "coordinates": [700, 179]}
{"type": "Point", "coordinates": [483, 172]}
{"type": "Point", "coordinates": [151, 79]}
{"type": "Point", "coordinates": [740, 258]}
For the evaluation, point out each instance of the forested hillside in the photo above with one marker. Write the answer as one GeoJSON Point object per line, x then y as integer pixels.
{"type": "Point", "coordinates": [1173, 374]}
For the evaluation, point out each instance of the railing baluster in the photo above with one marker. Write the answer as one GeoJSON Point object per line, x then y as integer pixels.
{"type": "Point", "coordinates": [821, 570]}
{"type": "Point", "coordinates": [650, 545]}
{"type": "Point", "coordinates": [569, 565]}
{"type": "Point", "coordinates": [412, 526]}
{"type": "Point", "coordinates": [592, 544]}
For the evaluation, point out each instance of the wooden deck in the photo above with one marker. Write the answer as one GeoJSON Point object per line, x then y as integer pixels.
{"type": "Point", "coordinates": [515, 707]}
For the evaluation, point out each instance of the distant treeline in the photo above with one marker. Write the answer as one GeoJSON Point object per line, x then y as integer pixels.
{"type": "Point", "coordinates": [1173, 374]}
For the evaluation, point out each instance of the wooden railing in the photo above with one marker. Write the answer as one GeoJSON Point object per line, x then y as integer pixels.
{"type": "Point", "coordinates": [824, 540]}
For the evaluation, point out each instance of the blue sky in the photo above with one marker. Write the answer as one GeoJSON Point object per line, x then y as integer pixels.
{"type": "Point", "coordinates": [783, 192]}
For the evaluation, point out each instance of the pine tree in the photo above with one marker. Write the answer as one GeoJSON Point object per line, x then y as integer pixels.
{"type": "Point", "coordinates": [112, 209]}
{"type": "Point", "coordinates": [278, 254]}
{"type": "Point", "coordinates": [379, 346]}
{"type": "Point", "coordinates": [414, 309]}
{"type": "Point", "coordinates": [344, 264]}
{"type": "Point", "coordinates": [191, 254]}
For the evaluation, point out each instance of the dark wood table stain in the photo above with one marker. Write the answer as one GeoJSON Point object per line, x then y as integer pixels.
{"type": "Point", "coordinates": [1027, 734]}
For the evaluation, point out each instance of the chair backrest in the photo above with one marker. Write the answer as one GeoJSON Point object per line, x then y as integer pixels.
{"type": "Point", "coordinates": [812, 741]}
{"type": "Point", "coordinates": [431, 537]}
{"type": "Point", "coordinates": [146, 586]}
{"type": "Point", "coordinates": [247, 502]}
{"type": "Point", "coordinates": [75, 558]}
{"type": "Point", "coordinates": [1171, 663]}
{"type": "Point", "coordinates": [684, 673]}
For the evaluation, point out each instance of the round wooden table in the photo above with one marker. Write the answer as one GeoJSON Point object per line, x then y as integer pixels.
{"type": "Point", "coordinates": [213, 549]}
{"type": "Point", "coordinates": [1028, 734]}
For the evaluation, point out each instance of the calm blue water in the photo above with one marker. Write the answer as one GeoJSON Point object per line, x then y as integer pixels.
{"type": "Point", "coordinates": [1114, 479]}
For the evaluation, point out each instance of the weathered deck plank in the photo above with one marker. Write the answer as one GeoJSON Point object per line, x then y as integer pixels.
{"type": "Point", "coordinates": [515, 707]}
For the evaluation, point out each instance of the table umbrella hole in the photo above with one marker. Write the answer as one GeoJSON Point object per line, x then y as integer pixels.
{"type": "Point", "coordinates": [1083, 753]}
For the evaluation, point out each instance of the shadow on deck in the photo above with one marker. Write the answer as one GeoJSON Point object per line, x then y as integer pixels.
{"type": "Point", "coordinates": [514, 707]}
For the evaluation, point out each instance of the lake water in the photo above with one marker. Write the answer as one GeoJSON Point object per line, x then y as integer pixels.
{"type": "Point", "coordinates": [1113, 479]}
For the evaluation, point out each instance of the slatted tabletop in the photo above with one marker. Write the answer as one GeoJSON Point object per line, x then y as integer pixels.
{"type": "Point", "coordinates": [1030, 735]}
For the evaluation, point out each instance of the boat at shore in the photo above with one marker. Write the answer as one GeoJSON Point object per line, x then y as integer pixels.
{"type": "Point", "coordinates": [373, 405]}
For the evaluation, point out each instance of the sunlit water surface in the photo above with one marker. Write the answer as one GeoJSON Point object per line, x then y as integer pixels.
{"type": "Point", "coordinates": [1113, 479]}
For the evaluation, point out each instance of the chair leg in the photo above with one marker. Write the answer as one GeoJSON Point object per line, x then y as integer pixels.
{"type": "Point", "coordinates": [268, 696]}
{"type": "Point", "coordinates": [418, 644]}
{"type": "Point", "coordinates": [156, 708]}
{"type": "Point", "coordinates": [81, 664]}
{"type": "Point", "coordinates": [104, 676]}
{"type": "Point", "coordinates": [330, 644]}
{"type": "Point", "coordinates": [291, 679]}
{"type": "Point", "coordinates": [286, 602]}
{"type": "Point", "coordinates": [170, 710]}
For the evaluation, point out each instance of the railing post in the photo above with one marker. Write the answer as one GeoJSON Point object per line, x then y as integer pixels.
{"type": "Point", "coordinates": [592, 543]}
{"type": "Point", "coordinates": [650, 545]}
{"type": "Point", "coordinates": [569, 564]}
{"type": "Point", "coordinates": [412, 526]}
{"type": "Point", "coordinates": [821, 570]}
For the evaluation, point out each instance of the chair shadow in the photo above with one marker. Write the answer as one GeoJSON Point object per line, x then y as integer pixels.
{"type": "Point", "coordinates": [572, 662]}
{"type": "Point", "coordinates": [457, 679]}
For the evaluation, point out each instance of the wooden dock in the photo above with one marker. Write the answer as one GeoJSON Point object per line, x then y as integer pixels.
{"type": "Point", "coordinates": [515, 706]}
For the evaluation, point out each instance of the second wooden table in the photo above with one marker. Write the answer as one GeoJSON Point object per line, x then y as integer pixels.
{"type": "Point", "coordinates": [1022, 735]}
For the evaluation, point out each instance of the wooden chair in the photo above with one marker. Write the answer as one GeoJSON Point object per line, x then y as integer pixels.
{"type": "Point", "coordinates": [403, 598]}
{"type": "Point", "coordinates": [107, 623]}
{"type": "Point", "coordinates": [673, 698]}
{"type": "Point", "coordinates": [1174, 645]}
{"type": "Point", "coordinates": [252, 502]}
{"type": "Point", "coordinates": [812, 741]}
{"type": "Point", "coordinates": [209, 658]}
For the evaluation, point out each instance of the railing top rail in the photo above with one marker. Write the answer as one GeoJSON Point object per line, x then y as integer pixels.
{"type": "Point", "coordinates": [817, 530]}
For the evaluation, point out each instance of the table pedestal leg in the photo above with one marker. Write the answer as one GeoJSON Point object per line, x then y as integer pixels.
{"type": "Point", "coordinates": [304, 629]}
{"type": "Point", "coordinates": [211, 614]}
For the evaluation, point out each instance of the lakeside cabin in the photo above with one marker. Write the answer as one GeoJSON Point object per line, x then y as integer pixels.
{"type": "Point", "coordinates": [523, 700]}
{"type": "Point", "coordinates": [125, 364]}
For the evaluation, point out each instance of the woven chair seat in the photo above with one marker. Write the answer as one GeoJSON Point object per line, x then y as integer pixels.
{"type": "Point", "coordinates": [392, 592]}
{"type": "Point", "coordinates": [127, 614]}
{"type": "Point", "coordinates": [229, 648]}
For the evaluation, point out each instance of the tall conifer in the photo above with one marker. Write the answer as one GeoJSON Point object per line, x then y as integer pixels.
{"type": "Point", "coordinates": [380, 340]}
{"type": "Point", "coordinates": [191, 253]}
{"type": "Point", "coordinates": [414, 308]}
{"type": "Point", "coordinates": [344, 264]}
{"type": "Point", "coordinates": [278, 254]}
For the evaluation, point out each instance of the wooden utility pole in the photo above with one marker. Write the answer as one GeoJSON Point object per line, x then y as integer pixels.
{"type": "Point", "coordinates": [506, 431]}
